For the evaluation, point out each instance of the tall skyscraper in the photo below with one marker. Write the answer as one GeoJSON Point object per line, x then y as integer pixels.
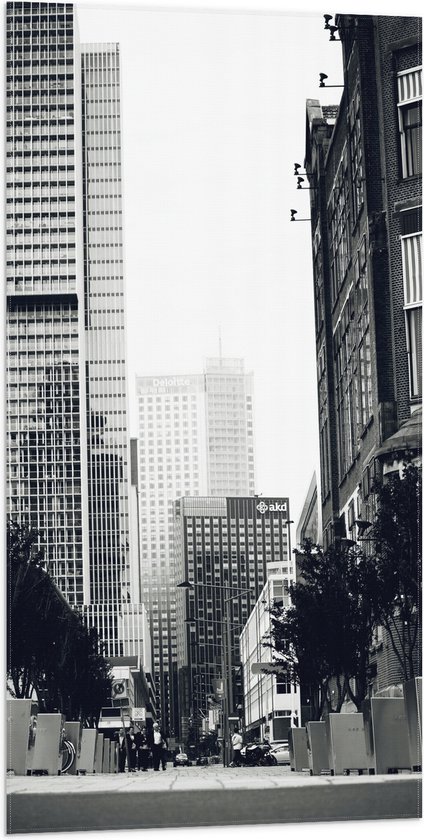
{"type": "Point", "coordinates": [66, 392]}
{"type": "Point", "coordinates": [105, 363]}
{"type": "Point", "coordinates": [196, 438]}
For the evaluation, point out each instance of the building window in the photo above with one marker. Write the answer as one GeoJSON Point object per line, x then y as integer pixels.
{"type": "Point", "coordinates": [412, 292]}
{"type": "Point", "coordinates": [412, 286]}
{"type": "Point", "coordinates": [338, 211]}
{"type": "Point", "coordinates": [319, 280]}
{"type": "Point", "coordinates": [283, 686]}
{"type": "Point", "coordinates": [410, 121]}
{"type": "Point", "coordinates": [347, 397]}
{"type": "Point", "coordinates": [355, 142]}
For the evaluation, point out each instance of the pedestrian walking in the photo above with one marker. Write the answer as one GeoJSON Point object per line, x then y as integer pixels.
{"type": "Point", "coordinates": [132, 750]}
{"type": "Point", "coordinates": [121, 739]}
{"type": "Point", "coordinates": [237, 743]}
{"type": "Point", "coordinates": [159, 747]}
{"type": "Point", "coordinates": [143, 749]}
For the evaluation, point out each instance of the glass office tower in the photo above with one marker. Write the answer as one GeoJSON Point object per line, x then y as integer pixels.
{"type": "Point", "coordinates": [67, 440]}
{"type": "Point", "coordinates": [104, 323]}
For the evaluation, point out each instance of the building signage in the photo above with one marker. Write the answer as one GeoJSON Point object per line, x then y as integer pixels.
{"type": "Point", "coordinates": [268, 668]}
{"type": "Point", "coordinates": [171, 382]}
{"type": "Point", "coordinates": [218, 687]}
{"type": "Point", "coordinates": [119, 689]}
{"type": "Point", "coordinates": [273, 507]}
{"type": "Point", "coordinates": [139, 713]}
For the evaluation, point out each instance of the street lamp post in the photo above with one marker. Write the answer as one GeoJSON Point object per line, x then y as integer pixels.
{"type": "Point", "coordinates": [227, 699]}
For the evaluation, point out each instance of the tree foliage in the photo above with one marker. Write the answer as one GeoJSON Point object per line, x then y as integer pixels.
{"type": "Point", "coordinates": [395, 557]}
{"type": "Point", "coordinates": [325, 635]}
{"type": "Point", "coordinates": [50, 651]}
{"type": "Point", "coordinates": [345, 593]}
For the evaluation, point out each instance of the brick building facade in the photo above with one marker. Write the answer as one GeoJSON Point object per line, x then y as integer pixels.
{"type": "Point", "coordinates": [363, 162]}
{"type": "Point", "coordinates": [364, 166]}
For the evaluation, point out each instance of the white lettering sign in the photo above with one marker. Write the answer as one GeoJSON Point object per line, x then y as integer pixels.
{"type": "Point", "coordinates": [274, 507]}
{"type": "Point", "coordinates": [171, 382]}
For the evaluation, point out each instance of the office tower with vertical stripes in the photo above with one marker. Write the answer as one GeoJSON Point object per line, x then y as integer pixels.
{"type": "Point", "coordinates": [105, 362]}
{"type": "Point", "coordinates": [67, 441]}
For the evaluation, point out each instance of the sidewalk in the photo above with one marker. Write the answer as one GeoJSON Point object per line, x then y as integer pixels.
{"type": "Point", "coordinates": [204, 796]}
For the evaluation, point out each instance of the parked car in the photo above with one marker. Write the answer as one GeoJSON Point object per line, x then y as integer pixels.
{"type": "Point", "coordinates": [280, 751]}
{"type": "Point", "coordinates": [181, 760]}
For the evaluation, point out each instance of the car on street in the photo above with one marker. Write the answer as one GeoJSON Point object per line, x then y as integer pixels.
{"type": "Point", "coordinates": [280, 751]}
{"type": "Point", "coordinates": [181, 760]}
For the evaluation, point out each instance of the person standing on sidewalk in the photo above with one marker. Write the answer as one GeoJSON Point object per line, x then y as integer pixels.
{"type": "Point", "coordinates": [237, 743]}
{"type": "Point", "coordinates": [132, 749]}
{"type": "Point", "coordinates": [121, 739]}
{"type": "Point", "coordinates": [143, 749]}
{"type": "Point", "coordinates": [159, 747]}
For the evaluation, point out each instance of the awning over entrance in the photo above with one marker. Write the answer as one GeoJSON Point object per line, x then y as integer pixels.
{"type": "Point", "coordinates": [407, 439]}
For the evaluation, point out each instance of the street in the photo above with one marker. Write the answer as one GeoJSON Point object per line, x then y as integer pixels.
{"type": "Point", "coordinates": [204, 796]}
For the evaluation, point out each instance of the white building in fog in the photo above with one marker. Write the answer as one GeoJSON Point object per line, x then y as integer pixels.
{"type": "Point", "coordinates": [195, 439]}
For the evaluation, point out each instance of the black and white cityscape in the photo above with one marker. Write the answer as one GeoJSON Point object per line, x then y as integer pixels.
{"type": "Point", "coordinates": [213, 560]}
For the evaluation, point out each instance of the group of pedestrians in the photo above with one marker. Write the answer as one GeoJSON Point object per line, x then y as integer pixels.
{"type": "Point", "coordinates": [135, 748]}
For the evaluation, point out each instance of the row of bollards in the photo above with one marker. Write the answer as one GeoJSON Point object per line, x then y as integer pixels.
{"type": "Point", "coordinates": [47, 744]}
{"type": "Point", "coordinates": [386, 737]}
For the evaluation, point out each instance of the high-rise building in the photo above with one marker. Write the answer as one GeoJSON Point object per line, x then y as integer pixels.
{"type": "Point", "coordinates": [105, 359]}
{"type": "Point", "coordinates": [224, 548]}
{"type": "Point", "coordinates": [229, 428]}
{"type": "Point", "coordinates": [66, 387]}
{"type": "Point", "coordinates": [195, 438]}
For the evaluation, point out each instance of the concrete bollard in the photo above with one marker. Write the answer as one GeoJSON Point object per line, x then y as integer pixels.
{"type": "Point", "coordinates": [412, 692]}
{"type": "Point", "coordinates": [317, 747]}
{"type": "Point", "coordinates": [98, 756]}
{"type": "Point", "coordinates": [386, 734]}
{"type": "Point", "coordinates": [73, 733]}
{"type": "Point", "coordinates": [346, 743]}
{"type": "Point", "coordinates": [106, 755]}
{"type": "Point", "coordinates": [47, 757]}
{"type": "Point", "coordinates": [18, 726]}
{"type": "Point", "coordinates": [298, 748]}
{"type": "Point", "coordinates": [85, 763]}
{"type": "Point", "coordinates": [113, 757]}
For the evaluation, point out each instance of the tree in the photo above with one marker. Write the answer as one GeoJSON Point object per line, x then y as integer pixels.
{"type": "Point", "coordinates": [395, 559]}
{"type": "Point", "coordinates": [325, 635]}
{"type": "Point", "coordinates": [51, 653]}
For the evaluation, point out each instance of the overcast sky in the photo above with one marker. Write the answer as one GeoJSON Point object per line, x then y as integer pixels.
{"type": "Point", "coordinates": [213, 118]}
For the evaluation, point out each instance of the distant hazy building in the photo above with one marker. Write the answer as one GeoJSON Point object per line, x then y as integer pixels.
{"type": "Point", "coordinates": [222, 546]}
{"type": "Point", "coordinates": [195, 438]}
